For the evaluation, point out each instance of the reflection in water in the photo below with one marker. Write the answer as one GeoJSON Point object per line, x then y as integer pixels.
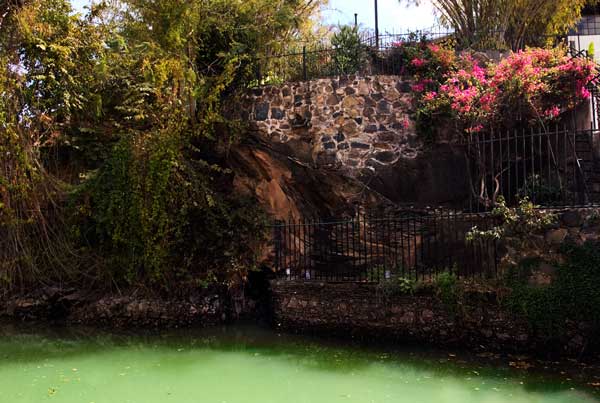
{"type": "Point", "coordinates": [246, 365]}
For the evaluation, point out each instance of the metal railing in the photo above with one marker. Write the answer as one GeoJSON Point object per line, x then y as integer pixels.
{"type": "Point", "coordinates": [323, 60]}
{"type": "Point", "coordinates": [411, 244]}
{"type": "Point", "coordinates": [556, 167]}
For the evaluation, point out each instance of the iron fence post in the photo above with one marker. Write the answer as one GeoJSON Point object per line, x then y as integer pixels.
{"type": "Point", "coordinates": [376, 25]}
{"type": "Point", "coordinates": [277, 228]}
{"type": "Point", "coordinates": [304, 72]}
{"type": "Point", "coordinates": [258, 72]}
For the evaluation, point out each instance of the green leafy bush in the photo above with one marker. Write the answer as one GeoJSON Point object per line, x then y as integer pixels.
{"type": "Point", "coordinates": [349, 54]}
{"type": "Point", "coordinates": [153, 215]}
{"type": "Point", "coordinates": [521, 221]}
{"type": "Point", "coordinates": [574, 294]}
{"type": "Point", "coordinates": [396, 286]}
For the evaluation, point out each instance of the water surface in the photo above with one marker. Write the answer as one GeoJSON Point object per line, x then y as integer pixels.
{"type": "Point", "coordinates": [250, 365]}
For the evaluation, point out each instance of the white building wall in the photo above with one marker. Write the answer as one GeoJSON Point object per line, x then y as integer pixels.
{"type": "Point", "coordinates": [582, 42]}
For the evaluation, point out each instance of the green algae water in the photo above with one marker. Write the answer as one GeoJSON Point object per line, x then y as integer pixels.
{"type": "Point", "coordinates": [248, 365]}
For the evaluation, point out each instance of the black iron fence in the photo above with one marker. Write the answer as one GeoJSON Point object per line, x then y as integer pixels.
{"type": "Point", "coordinates": [554, 167]}
{"type": "Point", "coordinates": [373, 56]}
{"type": "Point", "coordinates": [410, 244]}
{"type": "Point", "coordinates": [321, 62]}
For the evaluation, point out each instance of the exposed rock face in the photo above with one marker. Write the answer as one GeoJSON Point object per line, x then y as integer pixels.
{"type": "Point", "coordinates": [290, 189]}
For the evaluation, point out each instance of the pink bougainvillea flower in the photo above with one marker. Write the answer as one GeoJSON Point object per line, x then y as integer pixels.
{"type": "Point", "coordinates": [433, 47]}
{"type": "Point", "coordinates": [584, 93]}
{"type": "Point", "coordinates": [475, 129]}
{"type": "Point", "coordinates": [538, 81]}
{"type": "Point", "coordinates": [418, 62]}
{"type": "Point", "coordinates": [552, 112]}
{"type": "Point", "coordinates": [429, 96]}
{"type": "Point", "coordinates": [419, 87]}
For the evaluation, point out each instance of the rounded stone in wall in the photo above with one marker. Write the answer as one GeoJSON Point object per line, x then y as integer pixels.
{"type": "Point", "coordinates": [350, 102]}
{"type": "Point", "coordinates": [385, 156]}
{"type": "Point", "coordinates": [349, 128]}
{"type": "Point", "coordinates": [350, 91]}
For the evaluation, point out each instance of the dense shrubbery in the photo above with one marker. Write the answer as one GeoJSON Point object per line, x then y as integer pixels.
{"type": "Point", "coordinates": [114, 145]}
{"type": "Point", "coordinates": [428, 62]}
{"type": "Point", "coordinates": [532, 86]}
{"type": "Point", "coordinates": [574, 295]}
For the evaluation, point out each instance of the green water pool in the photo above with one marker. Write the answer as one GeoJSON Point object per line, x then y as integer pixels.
{"type": "Point", "coordinates": [246, 364]}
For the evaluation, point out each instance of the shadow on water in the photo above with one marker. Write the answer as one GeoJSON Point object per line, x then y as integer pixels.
{"type": "Point", "coordinates": [35, 343]}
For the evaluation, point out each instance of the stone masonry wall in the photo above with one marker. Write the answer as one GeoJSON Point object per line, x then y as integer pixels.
{"type": "Point", "coordinates": [361, 310]}
{"type": "Point", "coordinates": [353, 122]}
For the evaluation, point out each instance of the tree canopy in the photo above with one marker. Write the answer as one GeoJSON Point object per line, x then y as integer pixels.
{"type": "Point", "coordinates": [115, 143]}
{"type": "Point", "coordinates": [511, 24]}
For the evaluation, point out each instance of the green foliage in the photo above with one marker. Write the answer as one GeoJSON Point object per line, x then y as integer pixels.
{"type": "Point", "coordinates": [448, 290]}
{"type": "Point", "coordinates": [539, 188]}
{"type": "Point", "coordinates": [574, 294]}
{"type": "Point", "coordinates": [349, 54]}
{"type": "Point", "coordinates": [122, 107]}
{"type": "Point", "coordinates": [153, 212]}
{"type": "Point", "coordinates": [591, 50]}
{"type": "Point", "coordinates": [521, 221]}
{"type": "Point", "coordinates": [512, 24]}
{"type": "Point", "coordinates": [396, 286]}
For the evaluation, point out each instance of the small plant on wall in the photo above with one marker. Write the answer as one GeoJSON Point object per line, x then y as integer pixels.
{"type": "Point", "coordinates": [349, 54]}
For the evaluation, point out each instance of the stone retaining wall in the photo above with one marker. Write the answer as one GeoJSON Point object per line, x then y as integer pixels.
{"type": "Point", "coordinates": [353, 122]}
{"type": "Point", "coordinates": [543, 250]}
{"type": "Point", "coordinates": [118, 311]}
{"type": "Point", "coordinates": [361, 129]}
{"type": "Point", "coordinates": [361, 311]}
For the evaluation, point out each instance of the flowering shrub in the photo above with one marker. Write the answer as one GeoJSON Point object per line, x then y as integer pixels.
{"type": "Point", "coordinates": [428, 62]}
{"type": "Point", "coordinates": [535, 85]}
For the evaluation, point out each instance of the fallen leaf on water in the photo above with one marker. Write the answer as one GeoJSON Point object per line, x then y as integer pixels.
{"type": "Point", "coordinates": [488, 355]}
{"type": "Point", "coordinates": [520, 364]}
